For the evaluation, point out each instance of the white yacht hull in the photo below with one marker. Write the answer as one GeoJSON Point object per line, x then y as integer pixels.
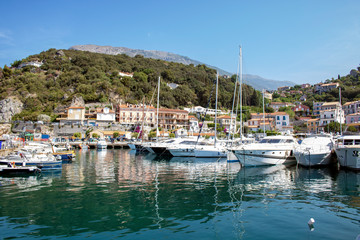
{"type": "Point", "coordinates": [310, 159]}
{"type": "Point", "coordinates": [182, 152]}
{"type": "Point", "coordinates": [348, 156]}
{"type": "Point", "coordinates": [252, 158]}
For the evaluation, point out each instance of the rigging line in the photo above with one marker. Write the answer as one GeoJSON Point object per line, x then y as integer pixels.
{"type": "Point", "coordinates": [233, 103]}
{"type": "Point", "coordinates": [203, 119]}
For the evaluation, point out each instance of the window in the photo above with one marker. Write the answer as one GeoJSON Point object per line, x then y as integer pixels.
{"type": "Point", "coordinates": [284, 118]}
{"type": "Point", "coordinates": [278, 118]}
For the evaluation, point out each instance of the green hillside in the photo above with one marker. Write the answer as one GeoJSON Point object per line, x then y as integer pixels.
{"type": "Point", "coordinates": [96, 78]}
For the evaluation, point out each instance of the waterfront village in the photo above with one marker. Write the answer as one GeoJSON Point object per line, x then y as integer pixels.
{"type": "Point", "coordinates": [190, 132]}
{"type": "Point", "coordinates": [125, 121]}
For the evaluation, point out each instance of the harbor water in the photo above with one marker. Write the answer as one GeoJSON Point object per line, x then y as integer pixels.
{"type": "Point", "coordinates": [118, 194]}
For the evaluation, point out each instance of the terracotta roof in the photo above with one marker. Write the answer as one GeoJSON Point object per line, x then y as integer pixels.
{"type": "Point", "coordinates": [330, 103]}
{"type": "Point", "coordinates": [314, 120]}
{"type": "Point", "coordinates": [354, 114]}
{"type": "Point", "coordinates": [76, 107]}
{"type": "Point", "coordinates": [224, 116]}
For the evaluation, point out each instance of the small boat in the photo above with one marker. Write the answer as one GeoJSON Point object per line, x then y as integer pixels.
{"type": "Point", "coordinates": [347, 149]}
{"type": "Point", "coordinates": [315, 150]}
{"type": "Point", "coordinates": [40, 160]}
{"type": "Point", "coordinates": [271, 150]}
{"type": "Point", "coordinates": [13, 169]}
{"type": "Point", "coordinates": [101, 144]}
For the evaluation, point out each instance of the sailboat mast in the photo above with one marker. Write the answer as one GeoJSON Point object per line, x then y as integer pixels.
{"type": "Point", "coordinates": [264, 108]}
{"type": "Point", "coordinates": [340, 110]}
{"type": "Point", "coordinates": [241, 120]}
{"type": "Point", "coordinates": [216, 103]}
{"type": "Point", "coordinates": [157, 111]}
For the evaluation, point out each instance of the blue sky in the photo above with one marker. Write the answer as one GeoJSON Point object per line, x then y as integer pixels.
{"type": "Point", "coordinates": [300, 41]}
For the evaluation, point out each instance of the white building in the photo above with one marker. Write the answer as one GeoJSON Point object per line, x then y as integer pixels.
{"type": "Point", "coordinates": [105, 115]}
{"type": "Point", "coordinates": [331, 115]}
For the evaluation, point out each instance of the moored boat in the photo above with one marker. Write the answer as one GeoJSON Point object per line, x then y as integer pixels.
{"type": "Point", "coordinates": [271, 150]}
{"type": "Point", "coordinates": [347, 150]}
{"type": "Point", "coordinates": [315, 150]}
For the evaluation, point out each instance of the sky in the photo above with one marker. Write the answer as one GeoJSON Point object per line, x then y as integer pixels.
{"type": "Point", "coordinates": [303, 41]}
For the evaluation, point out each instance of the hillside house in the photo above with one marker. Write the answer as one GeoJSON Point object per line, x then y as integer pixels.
{"type": "Point", "coordinates": [301, 110]}
{"type": "Point", "coordinates": [277, 105]}
{"type": "Point", "coordinates": [352, 118]}
{"type": "Point", "coordinates": [320, 88]}
{"type": "Point", "coordinates": [351, 107]}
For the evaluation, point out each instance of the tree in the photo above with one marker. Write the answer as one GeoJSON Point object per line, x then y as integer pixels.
{"type": "Point", "coordinates": [77, 135]}
{"type": "Point", "coordinates": [116, 134]}
{"type": "Point", "coordinates": [255, 99]}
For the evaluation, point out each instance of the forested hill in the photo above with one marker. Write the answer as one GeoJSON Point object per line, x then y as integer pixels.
{"type": "Point", "coordinates": [95, 77]}
{"type": "Point", "coordinates": [256, 82]}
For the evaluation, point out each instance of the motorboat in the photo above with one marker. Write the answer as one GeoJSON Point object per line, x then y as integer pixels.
{"type": "Point", "coordinates": [271, 150]}
{"type": "Point", "coordinates": [40, 160]}
{"type": "Point", "coordinates": [186, 148]}
{"type": "Point", "coordinates": [101, 144]}
{"type": "Point", "coordinates": [160, 148]}
{"type": "Point", "coordinates": [315, 150]}
{"type": "Point", "coordinates": [347, 149]}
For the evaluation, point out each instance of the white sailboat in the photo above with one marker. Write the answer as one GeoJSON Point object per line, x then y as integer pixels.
{"type": "Point", "coordinates": [209, 151]}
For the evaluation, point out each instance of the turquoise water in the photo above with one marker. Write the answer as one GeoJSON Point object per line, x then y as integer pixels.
{"type": "Point", "coordinates": [114, 194]}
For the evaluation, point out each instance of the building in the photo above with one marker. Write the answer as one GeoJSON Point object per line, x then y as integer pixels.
{"type": "Point", "coordinates": [132, 114]}
{"type": "Point", "coordinates": [257, 123]}
{"type": "Point", "coordinates": [277, 105]}
{"type": "Point", "coordinates": [317, 108]}
{"type": "Point", "coordinates": [312, 125]}
{"type": "Point", "coordinates": [279, 121]}
{"type": "Point", "coordinates": [104, 116]}
{"type": "Point", "coordinates": [306, 85]}
{"type": "Point", "coordinates": [301, 110]}
{"type": "Point", "coordinates": [126, 74]}
{"type": "Point", "coordinates": [34, 64]}
{"type": "Point", "coordinates": [268, 95]}
{"type": "Point", "coordinates": [202, 110]}
{"type": "Point", "coordinates": [303, 98]}
{"type": "Point", "coordinates": [320, 88]}
{"type": "Point", "coordinates": [331, 115]}
{"type": "Point", "coordinates": [283, 88]}
{"type": "Point", "coordinates": [225, 121]}
{"type": "Point", "coordinates": [72, 115]}
{"type": "Point", "coordinates": [193, 124]}
{"type": "Point", "coordinates": [352, 118]}
{"type": "Point", "coordinates": [351, 107]}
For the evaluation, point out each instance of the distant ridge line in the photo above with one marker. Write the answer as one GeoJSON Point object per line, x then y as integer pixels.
{"type": "Point", "coordinates": [255, 81]}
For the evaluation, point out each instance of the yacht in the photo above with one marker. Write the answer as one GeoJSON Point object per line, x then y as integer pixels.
{"type": "Point", "coordinates": [186, 148]}
{"type": "Point", "coordinates": [315, 150]}
{"type": "Point", "coordinates": [160, 147]}
{"type": "Point", "coordinates": [271, 150]}
{"type": "Point", "coordinates": [347, 149]}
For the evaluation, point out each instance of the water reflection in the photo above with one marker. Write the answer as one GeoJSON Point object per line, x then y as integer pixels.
{"type": "Point", "coordinates": [137, 195]}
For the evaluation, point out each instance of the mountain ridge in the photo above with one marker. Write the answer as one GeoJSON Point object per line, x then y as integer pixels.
{"type": "Point", "coordinates": [253, 80]}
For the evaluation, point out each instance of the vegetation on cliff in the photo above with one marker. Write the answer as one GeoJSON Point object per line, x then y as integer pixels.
{"type": "Point", "coordinates": [95, 77]}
